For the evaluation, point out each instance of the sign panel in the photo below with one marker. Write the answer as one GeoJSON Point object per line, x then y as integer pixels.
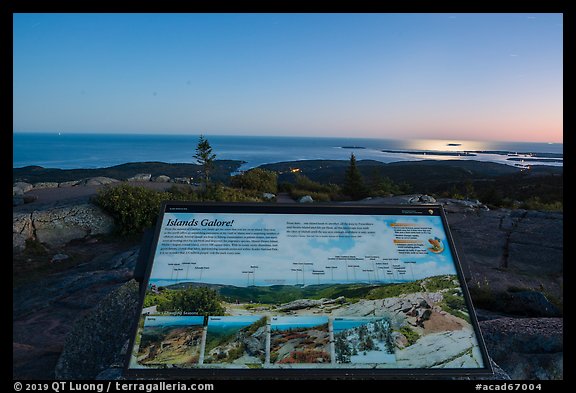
{"type": "Point", "coordinates": [279, 289]}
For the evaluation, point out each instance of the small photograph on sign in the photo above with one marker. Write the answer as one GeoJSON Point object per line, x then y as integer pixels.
{"type": "Point", "coordinates": [168, 340]}
{"type": "Point", "coordinates": [237, 340]}
{"type": "Point", "coordinates": [302, 339]}
{"type": "Point", "coordinates": [364, 340]}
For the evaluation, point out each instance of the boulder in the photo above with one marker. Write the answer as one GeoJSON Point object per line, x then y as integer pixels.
{"type": "Point", "coordinates": [421, 199]}
{"type": "Point", "coordinates": [46, 184]}
{"type": "Point", "coordinates": [98, 341]}
{"type": "Point", "coordinates": [268, 196]}
{"type": "Point", "coordinates": [306, 199]}
{"type": "Point", "coordinates": [140, 177]}
{"type": "Point", "coordinates": [22, 187]}
{"type": "Point", "coordinates": [161, 179]}
{"type": "Point", "coordinates": [98, 181]}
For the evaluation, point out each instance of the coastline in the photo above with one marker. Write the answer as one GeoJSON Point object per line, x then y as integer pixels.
{"type": "Point", "coordinates": [225, 168]}
{"type": "Point", "coordinates": [34, 186]}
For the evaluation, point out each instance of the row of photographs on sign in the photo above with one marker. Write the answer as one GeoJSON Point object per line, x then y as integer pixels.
{"type": "Point", "coordinates": [263, 342]}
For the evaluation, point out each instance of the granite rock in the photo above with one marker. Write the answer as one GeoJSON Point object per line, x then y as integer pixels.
{"type": "Point", "coordinates": [140, 177]}
{"type": "Point", "coordinates": [60, 225]}
{"type": "Point", "coordinates": [161, 179]}
{"type": "Point", "coordinates": [96, 341]}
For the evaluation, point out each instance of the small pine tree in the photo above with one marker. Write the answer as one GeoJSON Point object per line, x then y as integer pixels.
{"type": "Point", "coordinates": [353, 182]}
{"type": "Point", "coordinates": [205, 157]}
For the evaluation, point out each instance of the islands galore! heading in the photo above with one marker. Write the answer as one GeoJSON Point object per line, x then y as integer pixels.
{"type": "Point", "coordinates": [194, 223]}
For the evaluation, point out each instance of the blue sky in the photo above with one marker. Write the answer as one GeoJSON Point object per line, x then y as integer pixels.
{"type": "Point", "coordinates": [174, 321]}
{"type": "Point", "coordinates": [463, 76]}
{"type": "Point", "coordinates": [284, 323]}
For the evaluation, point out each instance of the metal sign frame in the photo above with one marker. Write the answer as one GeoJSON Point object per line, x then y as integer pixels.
{"type": "Point", "coordinates": [306, 370]}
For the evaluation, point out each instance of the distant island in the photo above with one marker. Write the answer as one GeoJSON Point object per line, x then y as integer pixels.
{"type": "Point", "coordinates": [453, 144]}
{"type": "Point", "coordinates": [352, 147]}
{"type": "Point", "coordinates": [431, 153]}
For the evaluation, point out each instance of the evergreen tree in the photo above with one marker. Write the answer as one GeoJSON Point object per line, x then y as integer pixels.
{"type": "Point", "coordinates": [342, 349]}
{"type": "Point", "coordinates": [205, 157]}
{"type": "Point", "coordinates": [353, 182]}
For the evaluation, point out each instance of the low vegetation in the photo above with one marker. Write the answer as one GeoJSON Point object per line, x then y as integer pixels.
{"type": "Point", "coordinates": [201, 300]}
{"type": "Point", "coordinates": [303, 186]}
{"type": "Point", "coordinates": [411, 335]}
{"type": "Point", "coordinates": [133, 208]}
{"type": "Point", "coordinates": [256, 179]}
{"type": "Point", "coordinates": [136, 208]}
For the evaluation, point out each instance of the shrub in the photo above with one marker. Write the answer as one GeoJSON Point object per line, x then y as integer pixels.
{"type": "Point", "coordinates": [535, 203]}
{"type": "Point", "coordinates": [318, 192]}
{"type": "Point", "coordinates": [202, 300]}
{"type": "Point", "coordinates": [317, 196]}
{"type": "Point", "coordinates": [306, 356]}
{"type": "Point", "coordinates": [411, 335]}
{"type": "Point", "coordinates": [133, 208]}
{"type": "Point", "coordinates": [184, 193]}
{"type": "Point", "coordinates": [257, 179]}
{"type": "Point", "coordinates": [221, 193]}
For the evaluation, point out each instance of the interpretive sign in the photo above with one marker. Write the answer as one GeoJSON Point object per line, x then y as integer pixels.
{"type": "Point", "coordinates": [287, 289]}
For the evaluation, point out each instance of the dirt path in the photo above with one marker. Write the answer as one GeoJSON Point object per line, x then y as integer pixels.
{"type": "Point", "coordinates": [283, 197]}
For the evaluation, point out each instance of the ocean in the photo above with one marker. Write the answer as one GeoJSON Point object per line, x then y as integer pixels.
{"type": "Point", "coordinates": [69, 150]}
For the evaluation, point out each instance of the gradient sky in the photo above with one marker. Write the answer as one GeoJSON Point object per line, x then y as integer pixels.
{"type": "Point", "coordinates": [461, 76]}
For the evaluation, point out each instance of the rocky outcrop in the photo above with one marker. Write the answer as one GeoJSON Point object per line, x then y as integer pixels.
{"type": "Point", "coordinates": [449, 204]}
{"type": "Point", "coordinates": [97, 181]}
{"type": "Point", "coordinates": [100, 340]}
{"type": "Point", "coordinates": [69, 183]}
{"type": "Point", "coordinates": [306, 199]}
{"type": "Point", "coordinates": [45, 311]}
{"type": "Point", "coordinates": [140, 177]}
{"type": "Point", "coordinates": [20, 188]}
{"type": "Point", "coordinates": [422, 199]}
{"type": "Point", "coordinates": [509, 251]}
{"type": "Point", "coordinates": [459, 205]}
{"type": "Point", "coordinates": [300, 304]}
{"type": "Point", "coordinates": [161, 179]}
{"type": "Point", "coordinates": [433, 349]}
{"type": "Point", "coordinates": [47, 184]}
{"type": "Point", "coordinates": [58, 226]}
{"type": "Point", "coordinates": [527, 348]}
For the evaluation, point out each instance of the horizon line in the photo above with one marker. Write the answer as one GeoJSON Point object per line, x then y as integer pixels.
{"type": "Point", "coordinates": [138, 133]}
